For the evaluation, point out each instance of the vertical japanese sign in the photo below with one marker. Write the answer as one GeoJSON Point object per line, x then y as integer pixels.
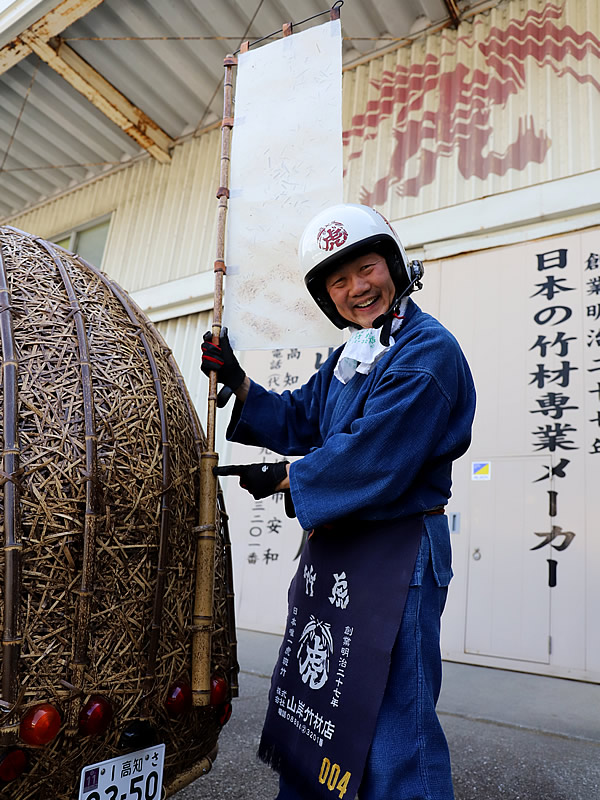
{"type": "Point", "coordinates": [266, 543]}
{"type": "Point", "coordinates": [557, 320]}
{"type": "Point", "coordinates": [591, 268]}
{"type": "Point", "coordinates": [565, 378]}
{"type": "Point", "coordinates": [286, 166]}
{"type": "Point", "coordinates": [590, 262]}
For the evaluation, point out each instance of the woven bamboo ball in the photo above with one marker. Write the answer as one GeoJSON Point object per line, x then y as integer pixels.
{"type": "Point", "coordinates": [99, 505]}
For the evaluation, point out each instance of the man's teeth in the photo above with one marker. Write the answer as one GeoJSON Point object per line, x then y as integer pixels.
{"type": "Point", "coordinates": [366, 303]}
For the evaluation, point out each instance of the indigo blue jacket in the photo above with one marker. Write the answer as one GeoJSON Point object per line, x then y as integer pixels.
{"type": "Point", "coordinates": [380, 446]}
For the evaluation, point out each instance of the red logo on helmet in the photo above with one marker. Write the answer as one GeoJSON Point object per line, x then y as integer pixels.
{"type": "Point", "coordinates": [332, 235]}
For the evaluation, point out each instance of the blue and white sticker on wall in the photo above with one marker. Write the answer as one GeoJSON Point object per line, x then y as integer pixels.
{"type": "Point", "coordinates": [481, 470]}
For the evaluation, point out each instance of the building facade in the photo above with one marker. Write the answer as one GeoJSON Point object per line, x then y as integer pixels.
{"type": "Point", "coordinates": [481, 146]}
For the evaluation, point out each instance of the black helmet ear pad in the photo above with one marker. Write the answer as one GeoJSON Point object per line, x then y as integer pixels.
{"type": "Point", "coordinates": [398, 271]}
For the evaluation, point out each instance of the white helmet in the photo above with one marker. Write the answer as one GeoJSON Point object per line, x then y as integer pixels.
{"type": "Point", "coordinates": [344, 232]}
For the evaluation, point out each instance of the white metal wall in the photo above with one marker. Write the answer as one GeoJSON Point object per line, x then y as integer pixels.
{"type": "Point", "coordinates": [528, 317]}
{"type": "Point", "coordinates": [184, 337]}
{"type": "Point", "coordinates": [163, 224]}
{"type": "Point", "coordinates": [508, 100]}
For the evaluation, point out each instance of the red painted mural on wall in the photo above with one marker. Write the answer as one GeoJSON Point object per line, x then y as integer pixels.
{"type": "Point", "coordinates": [460, 102]}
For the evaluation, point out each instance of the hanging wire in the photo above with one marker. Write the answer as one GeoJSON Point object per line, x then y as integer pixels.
{"type": "Point", "coordinates": [63, 166]}
{"type": "Point", "coordinates": [18, 120]}
{"type": "Point", "coordinates": [212, 38]}
{"type": "Point", "coordinates": [336, 5]}
{"type": "Point", "coordinates": [220, 83]}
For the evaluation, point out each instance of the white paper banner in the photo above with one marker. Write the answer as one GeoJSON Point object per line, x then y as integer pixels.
{"type": "Point", "coordinates": [286, 166]}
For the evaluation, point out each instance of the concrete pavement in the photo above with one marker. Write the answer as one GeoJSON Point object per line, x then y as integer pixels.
{"type": "Point", "coordinates": [512, 735]}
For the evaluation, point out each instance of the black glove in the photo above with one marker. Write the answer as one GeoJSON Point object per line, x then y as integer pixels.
{"type": "Point", "coordinates": [288, 504]}
{"type": "Point", "coordinates": [261, 480]}
{"type": "Point", "coordinates": [219, 358]}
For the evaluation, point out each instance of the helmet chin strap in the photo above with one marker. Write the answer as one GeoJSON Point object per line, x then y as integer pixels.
{"type": "Point", "coordinates": [384, 321]}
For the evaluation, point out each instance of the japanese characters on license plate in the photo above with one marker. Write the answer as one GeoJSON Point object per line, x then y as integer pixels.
{"type": "Point", "coordinates": [135, 776]}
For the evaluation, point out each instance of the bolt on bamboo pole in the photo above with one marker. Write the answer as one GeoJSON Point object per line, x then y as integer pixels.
{"type": "Point", "coordinates": [205, 531]}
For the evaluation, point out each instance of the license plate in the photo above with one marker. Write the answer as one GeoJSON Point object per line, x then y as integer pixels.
{"type": "Point", "coordinates": [135, 776]}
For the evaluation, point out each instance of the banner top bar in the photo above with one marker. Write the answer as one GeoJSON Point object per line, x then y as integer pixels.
{"type": "Point", "coordinates": [334, 13]}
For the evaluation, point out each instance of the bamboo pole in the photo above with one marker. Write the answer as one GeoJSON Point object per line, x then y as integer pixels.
{"type": "Point", "coordinates": [81, 628]}
{"type": "Point", "coordinates": [193, 773]}
{"type": "Point", "coordinates": [12, 635]}
{"type": "Point", "coordinates": [202, 622]}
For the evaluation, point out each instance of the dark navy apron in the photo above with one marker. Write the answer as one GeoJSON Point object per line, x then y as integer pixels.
{"type": "Point", "coordinates": [345, 608]}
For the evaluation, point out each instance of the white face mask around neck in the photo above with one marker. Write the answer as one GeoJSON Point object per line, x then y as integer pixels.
{"type": "Point", "coordinates": [364, 349]}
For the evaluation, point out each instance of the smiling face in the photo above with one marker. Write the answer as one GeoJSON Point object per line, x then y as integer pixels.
{"type": "Point", "coordinates": [362, 289]}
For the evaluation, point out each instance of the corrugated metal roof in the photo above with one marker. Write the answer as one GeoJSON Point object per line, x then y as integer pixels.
{"type": "Point", "coordinates": [52, 138]}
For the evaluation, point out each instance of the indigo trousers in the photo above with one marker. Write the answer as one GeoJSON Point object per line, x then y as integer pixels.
{"type": "Point", "coordinates": [409, 758]}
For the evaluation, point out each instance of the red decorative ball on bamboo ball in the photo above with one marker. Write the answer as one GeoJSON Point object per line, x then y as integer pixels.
{"type": "Point", "coordinates": [95, 716]}
{"type": "Point", "coordinates": [179, 699]}
{"type": "Point", "coordinates": [219, 689]}
{"type": "Point", "coordinates": [40, 725]}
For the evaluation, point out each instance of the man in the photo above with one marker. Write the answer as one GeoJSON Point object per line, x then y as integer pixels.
{"type": "Point", "coordinates": [378, 427]}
